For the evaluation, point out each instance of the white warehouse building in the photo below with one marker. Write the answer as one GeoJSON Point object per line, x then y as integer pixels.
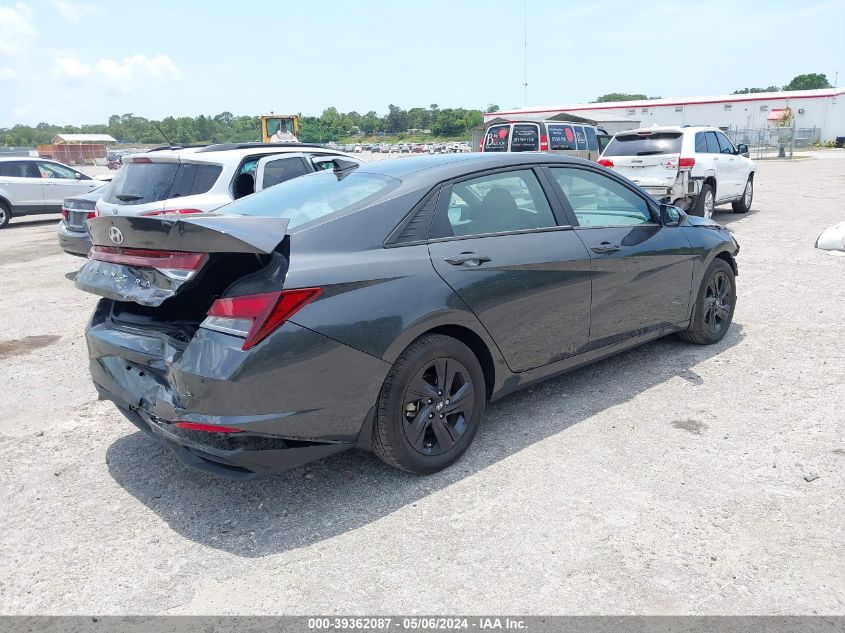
{"type": "Point", "coordinates": [818, 114]}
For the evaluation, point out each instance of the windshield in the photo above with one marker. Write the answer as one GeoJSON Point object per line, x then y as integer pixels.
{"type": "Point", "coordinates": [313, 197]}
{"type": "Point", "coordinates": [637, 145]}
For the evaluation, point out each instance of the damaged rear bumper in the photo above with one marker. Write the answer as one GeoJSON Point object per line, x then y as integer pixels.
{"type": "Point", "coordinates": [285, 417]}
{"type": "Point", "coordinates": [239, 457]}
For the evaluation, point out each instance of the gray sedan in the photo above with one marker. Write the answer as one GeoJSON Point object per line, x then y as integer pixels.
{"type": "Point", "coordinates": [380, 306]}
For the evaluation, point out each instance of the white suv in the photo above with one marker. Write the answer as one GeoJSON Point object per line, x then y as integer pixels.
{"type": "Point", "coordinates": [33, 186]}
{"type": "Point", "coordinates": [200, 179]}
{"type": "Point", "coordinates": [694, 168]}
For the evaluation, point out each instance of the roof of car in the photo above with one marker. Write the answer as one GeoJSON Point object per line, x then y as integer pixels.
{"type": "Point", "coordinates": [659, 129]}
{"type": "Point", "coordinates": [225, 153]}
{"type": "Point", "coordinates": [8, 158]}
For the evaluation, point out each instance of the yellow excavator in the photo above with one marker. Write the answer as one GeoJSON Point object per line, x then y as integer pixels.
{"type": "Point", "coordinates": [279, 128]}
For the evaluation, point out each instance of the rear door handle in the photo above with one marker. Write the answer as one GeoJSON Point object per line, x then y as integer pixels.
{"type": "Point", "coordinates": [606, 248]}
{"type": "Point", "coordinates": [466, 259]}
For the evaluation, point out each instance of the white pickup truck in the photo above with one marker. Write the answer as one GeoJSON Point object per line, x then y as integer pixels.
{"type": "Point", "coordinates": [694, 168]}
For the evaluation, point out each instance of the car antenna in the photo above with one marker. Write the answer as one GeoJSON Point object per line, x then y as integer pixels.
{"type": "Point", "coordinates": [169, 144]}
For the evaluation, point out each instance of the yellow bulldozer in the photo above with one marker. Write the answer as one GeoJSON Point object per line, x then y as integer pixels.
{"type": "Point", "coordinates": [279, 128]}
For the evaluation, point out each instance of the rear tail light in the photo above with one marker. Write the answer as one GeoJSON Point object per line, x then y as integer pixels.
{"type": "Point", "coordinates": [544, 143]}
{"type": "Point", "coordinates": [208, 428]}
{"type": "Point", "coordinates": [171, 212]}
{"type": "Point", "coordinates": [605, 162]}
{"type": "Point", "coordinates": [686, 163]}
{"type": "Point", "coordinates": [65, 214]}
{"type": "Point", "coordinates": [254, 317]}
{"type": "Point", "coordinates": [176, 265]}
{"type": "Point", "coordinates": [91, 215]}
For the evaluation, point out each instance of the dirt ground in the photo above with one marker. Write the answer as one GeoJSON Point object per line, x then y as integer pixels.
{"type": "Point", "coordinates": [672, 479]}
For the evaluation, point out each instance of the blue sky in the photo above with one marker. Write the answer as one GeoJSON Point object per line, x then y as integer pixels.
{"type": "Point", "coordinates": [64, 61]}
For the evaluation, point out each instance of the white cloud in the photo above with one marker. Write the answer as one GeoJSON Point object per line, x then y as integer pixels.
{"type": "Point", "coordinates": [124, 76]}
{"type": "Point", "coordinates": [7, 74]}
{"type": "Point", "coordinates": [16, 30]}
{"type": "Point", "coordinates": [74, 11]}
{"type": "Point", "coordinates": [72, 68]}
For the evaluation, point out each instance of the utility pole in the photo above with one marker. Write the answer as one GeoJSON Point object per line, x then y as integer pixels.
{"type": "Point", "coordinates": [525, 56]}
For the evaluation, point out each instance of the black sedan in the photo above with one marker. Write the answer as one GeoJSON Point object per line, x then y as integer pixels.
{"type": "Point", "coordinates": [382, 305]}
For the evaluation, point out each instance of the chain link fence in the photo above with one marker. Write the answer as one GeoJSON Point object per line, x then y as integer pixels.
{"type": "Point", "coordinates": [775, 141]}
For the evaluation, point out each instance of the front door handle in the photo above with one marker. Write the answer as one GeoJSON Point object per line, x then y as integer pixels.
{"type": "Point", "coordinates": [466, 259]}
{"type": "Point", "coordinates": [606, 248]}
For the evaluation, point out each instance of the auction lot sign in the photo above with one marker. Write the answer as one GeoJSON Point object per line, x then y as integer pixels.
{"type": "Point", "coordinates": [295, 624]}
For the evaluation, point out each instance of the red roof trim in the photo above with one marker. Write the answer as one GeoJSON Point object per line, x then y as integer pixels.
{"type": "Point", "coordinates": [644, 104]}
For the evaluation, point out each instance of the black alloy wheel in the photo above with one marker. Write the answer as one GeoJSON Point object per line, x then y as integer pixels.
{"type": "Point", "coordinates": [437, 404]}
{"type": "Point", "coordinates": [430, 407]}
{"type": "Point", "coordinates": [714, 306]}
{"type": "Point", "coordinates": [719, 304]}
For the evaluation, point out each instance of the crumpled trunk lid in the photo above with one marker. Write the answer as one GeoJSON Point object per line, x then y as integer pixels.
{"type": "Point", "coordinates": [149, 260]}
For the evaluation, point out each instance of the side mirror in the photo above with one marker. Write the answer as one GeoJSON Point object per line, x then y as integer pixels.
{"type": "Point", "coordinates": [742, 149]}
{"type": "Point", "coordinates": [670, 215]}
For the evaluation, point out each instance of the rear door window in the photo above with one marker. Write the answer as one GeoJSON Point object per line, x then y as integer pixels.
{"type": "Point", "coordinates": [496, 138]}
{"type": "Point", "coordinates": [497, 203]}
{"type": "Point", "coordinates": [525, 138]}
{"type": "Point", "coordinates": [276, 171]}
{"type": "Point", "coordinates": [561, 137]}
{"type": "Point", "coordinates": [645, 144]}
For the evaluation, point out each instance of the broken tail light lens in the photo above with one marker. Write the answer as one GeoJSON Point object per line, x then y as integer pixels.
{"type": "Point", "coordinates": [176, 265]}
{"type": "Point", "coordinates": [255, 317]}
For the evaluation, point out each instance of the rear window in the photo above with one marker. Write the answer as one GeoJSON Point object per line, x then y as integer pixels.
{"type": "Point", "coordinates": [142, 183]}
{"type": "Point", "coordinates": [312, 197]}
{"type": "Point", "coordinates": [561, 137]}
{"type": "Point", "coordinates": [525, 138]}
{"type": "Point", "coordinates": [496, 138]}
{"type": "Point", "coordinates": [637, 145]}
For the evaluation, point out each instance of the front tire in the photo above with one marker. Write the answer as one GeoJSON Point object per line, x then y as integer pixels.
{"type": "Point", "coordinates": [714, 307]}
{"type": "Point", "coordinates": [5, 215]}
{"type": "Point", "coordinates": [705, 203]}
{"type": "Point", "coordinates": [743, 205]}
{"type": "Point", "coordinates": [430, 406]}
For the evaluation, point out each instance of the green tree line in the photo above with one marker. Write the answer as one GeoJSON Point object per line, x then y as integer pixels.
{"type": "Point", "coordinates": [225, 127]}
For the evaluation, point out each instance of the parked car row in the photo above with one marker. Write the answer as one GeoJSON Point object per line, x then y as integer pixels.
{"type": "Point", "coordinates": [451, 147]}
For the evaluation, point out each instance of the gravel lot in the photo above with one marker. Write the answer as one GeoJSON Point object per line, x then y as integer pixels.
{"type": "Point", "coordinates": [670, 479]}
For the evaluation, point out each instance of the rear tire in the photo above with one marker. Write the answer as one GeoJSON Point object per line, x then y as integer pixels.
{"type": "Point", "coordinates": [714, 307]}
{"type": "Point", "coordinates": [430, 406]}
{"type": "Point", "coordinates": [743, 205]}
{"type": "Point", "coordinates": [5, 215]}
{"type": "Point", "coordinates": [705, 203]}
